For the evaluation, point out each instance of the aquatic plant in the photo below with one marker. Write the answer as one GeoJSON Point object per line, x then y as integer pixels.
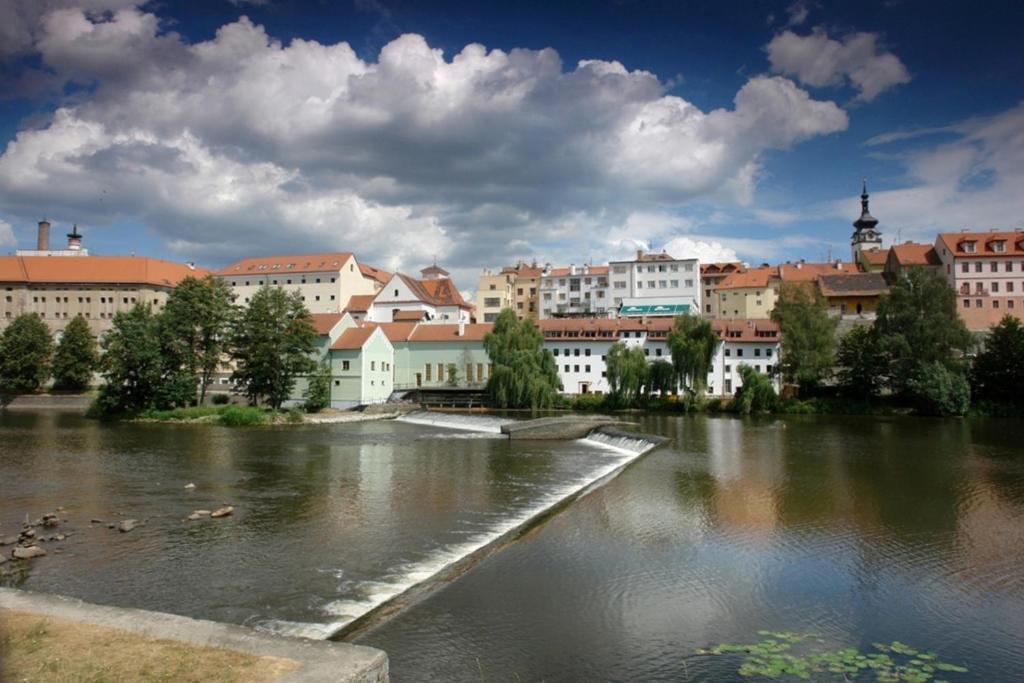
{"type": "Point", "coordinates": [783, 654]}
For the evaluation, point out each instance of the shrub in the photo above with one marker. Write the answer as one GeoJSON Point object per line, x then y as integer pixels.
{"type": "Point", "coordinates": [938, 390]}
{"type": "Point", "coordinates": [242, 416]}
{"type": "Point", "coordinates": [588, 402]}
{"type": "Point", "coordinates": [756, 395]}
{"type": "Point", "coordinates": [293, 415]}
{"type": "Point", "coordinates": [220, 399]}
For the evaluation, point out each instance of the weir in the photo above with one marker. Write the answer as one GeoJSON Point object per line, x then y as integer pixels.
{"type": "Point", "coordinates": [420, 579]}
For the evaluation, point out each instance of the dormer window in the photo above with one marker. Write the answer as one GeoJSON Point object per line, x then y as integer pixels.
{"type": "Point", "coordinates": [968, 247]}
{"type": "Point", "coordinates": [999, 246]}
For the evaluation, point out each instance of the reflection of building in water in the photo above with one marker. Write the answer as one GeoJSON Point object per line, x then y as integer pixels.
{"type": "Point", "coordinates": [376, 477]}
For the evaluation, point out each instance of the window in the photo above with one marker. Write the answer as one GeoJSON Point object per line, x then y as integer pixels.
{"type": "Point", "coordinates": [575, 368]}
{"type": "Point", "coordinates": [1009, 286]}
{"type": "Point", "coordinates": [1009, 266]}
{"type": "Point", "coordinates": [739, 352]}
{"type": "Point", "coordinates": [429, 370]}
{"type": "Point", "coordinates": [479, 372]}
{"type": "Point", "coordinates": [674, 283]}
{"type": "Point", "coordinates": [977, 266]}
{"type": "Point", "coordinates": [995, 287]}
{"type": "Point", "coordinates": [554, 352]}
{"type": "Point", "coordinates": [344, 365]}
{"type": "Point", "coordinates": [318, 297]}
{"type": "Point", "coordinates": [999, 246]}
{"type": "Point", "coordinates": [586, 352]}
{"type": "Point", "coordinates": [757, 352]}
{"type": "Point", "coordinates": [995, 303]}
{"type": "Point", "coordinates": [396, 292]}
{"type": "Point", "coordinates": [337, 382]}
{"type": "Point", "coordinates": [586, 368]}
{"type": "Point", "coordinates": [993, 267]}
{"type": "Point", "coordinates": [657, 352]}
{"type": "Point", "coordinates": [332, 297]}
{"type": "Point", "coordinates": [977, 303]}
{"type": "Point", "coordinates": [728, 368]}
{"type": "Point", "coordinates": [967, 303]}
{"type": "Point", "coordinates": [662, 284]}
{"type": "Point", "coordinates": [768, 352]}
{"type": "Point", "coordinates": [639, 284]}
{"type": "Point", "coordinates": [966, 267]}
{"type": "Point", "coordinates": [650, 284]}
{"type": "Point", "coordinates": [1009, 304]}
{"type": "Point", "coordinates": [287, 282]}
{"type": "Point", "coordinates": [576, 352]}
{"type": "Point", "coordinates": [565, 368]}
{"type": "Point", "coordinates": [373, 365]}
{"type": "Point", "coordinates": [689, 283]}
{"type": "Point", "coordinates": [647, 352]}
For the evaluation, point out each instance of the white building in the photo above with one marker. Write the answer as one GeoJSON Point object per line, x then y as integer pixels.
{"type": "Point", "coordinates": [325, 281]}
{"type": "Point", "coordinates": [434, 298]}
{"type": "Point", "coordinates": [655, 284]}
{"type": "Point", "coordinates": [580, 347]}
{"type": "Point", "coordinates": [575, 291]}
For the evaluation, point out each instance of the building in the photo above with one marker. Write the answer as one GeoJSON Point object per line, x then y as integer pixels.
{"type": "Point", "coordinates": [866, 235]}
{"type": "Point", "coordinates": [903, 256]}
{"type": "Point", "coordinates": [656, 280]}
{"type": "Point", "coordinates": [433, 298]}
{"type": "Point", "coordinates": [576, 291]}
{"type": "Point", "coordinates": [326, 281]}
{"type": "Point", "coordinates": [433, 355]}
{"type": "Point", "coordinates": [872, 260]}
{"type": "Point", "coordinates": [581, 346]}
{"type": "Point", "coordinates": [750, 293]}
{"type": "Point", "coordinates": [60, 285]}
{"type": "Point", "coordinates": [514, 287]}
{"type": "Point", "coordinates": [852, 295]}
{"type": "Point", "coordinates": [986, 269]}
{"type": "Point", "coordinates": [711, 275]}
{"type": "Point", "coordinates": [361, 361]}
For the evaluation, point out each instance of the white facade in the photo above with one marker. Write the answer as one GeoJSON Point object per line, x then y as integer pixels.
{"type": "Point", "coordinates": [403, 294]}
{"type": "Point", "coordinates": [576, 290]}
{"type": "Point", "coordinates": [655, 279]}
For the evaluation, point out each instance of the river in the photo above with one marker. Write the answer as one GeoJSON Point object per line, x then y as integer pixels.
{"type": "Point", "coordinates": [859, 530]}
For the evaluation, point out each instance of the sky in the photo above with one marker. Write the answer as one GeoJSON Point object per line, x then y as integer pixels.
{"type": "Point", "coordinates": [476, 134]}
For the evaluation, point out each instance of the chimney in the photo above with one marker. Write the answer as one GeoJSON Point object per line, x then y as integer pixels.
{"type": "Point", "coordinates": [639, 254]}
{"type": "Point", "coordinates": [572, 269]}
{"type": "Point", "coordinates": [798, 264]}
{"type": "Point", "coordinates": [43, 240]}
{"type": "Point", "coordinates": [462, 328]}
{"type": "Point", "coordinates": [74, 239]}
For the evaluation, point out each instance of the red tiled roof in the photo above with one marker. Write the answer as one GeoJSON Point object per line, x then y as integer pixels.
{"type": "Point", "coordinates": [610, 329]}
{"type": "Point", "coordinates": [298, 263]}
{"type": "Point", "coordinates": [720, 268]}
{"type": "Point", "coordinates": [445, 332]}
{"type": "Point", "coordinates": [591, 270]}
{"type": "Point", "coordinates": [393, 331]}
{"type": "Point", "coordinates": [522, 270]}
{"type": "Point", "coordinates": [752, 277]}
{"type": "Point", "coordinates": [441, 292]}
{"type": "Point", "coordinates": [359, 302]}
{"type": "Point", "coordinates": [95, 270]}
{"type": "Point", "coordinates": [381, 276]}
{"type": "Point", "coordinates": [915, 254]}
{"type": "Point", "coordinates": [406, 316]}
{"type": "Point", "coordinates": [808, 272]}
{"type": "Point", "coordinates": [324, 322]}
{"type": "Point", "coordinates": [875, 256]}
{"type": "Point", "coordinates": [353, 338]}
{"type": "Point", "coordinates": [984, 243]}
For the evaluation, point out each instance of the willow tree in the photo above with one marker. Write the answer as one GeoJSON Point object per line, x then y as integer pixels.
{"type": "Point", "coordinates": [692, 342]}
{"type": "Point", "coordinates": [525, 374]}
{"type": "Point", "coordinates": [628, 373]}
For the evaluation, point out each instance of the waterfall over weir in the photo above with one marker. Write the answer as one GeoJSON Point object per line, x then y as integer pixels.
{"type": "Point", "coordinates": [407, 583]}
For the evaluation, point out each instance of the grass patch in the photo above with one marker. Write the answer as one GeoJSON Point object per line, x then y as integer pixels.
{"type": "Point", "coordinates": [35, 648]}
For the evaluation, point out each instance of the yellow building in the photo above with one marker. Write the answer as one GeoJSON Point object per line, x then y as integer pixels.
{"type": "Point", "coordinates": [513, 287]}
{"type": "Point", "coordinates": [745, 294]}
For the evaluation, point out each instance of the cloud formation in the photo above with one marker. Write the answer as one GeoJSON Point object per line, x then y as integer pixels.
{"type": "Point", "coordinates": [818, 61]}
{"type": "Point", "coordinates": [242, 144]}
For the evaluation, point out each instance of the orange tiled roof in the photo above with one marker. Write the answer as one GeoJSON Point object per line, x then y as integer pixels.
{"type": "Point", "coordinates": [591, 270]}
{"type": "Point", "coordinates": [95, 270]}
{"type": "Point", "coordinates": [915, 254]}
{"type": "Point", "coordinates": [808, 272]}
{"type": "Point", "coordinates": [324, 322]}
{"type": "Point", "coordinates": [444, 332]}
{"type": "Point", "coordinates": [720, 268]}
{"type": "Point", "coordinates": [393, 331]}
{"type": "Point", "coordinates": [381, 276]}
{"type": "Point", "coordinates": [353, 338]}
{"type": "Point", "coordinates": [611, 329]}
{"type": "Point", "coordinates": [522, 270]}
{"type": "Point", "coordinates": [984, 243]}
{"type": "Point", "coordinates": [297, 263]}
{"type": "Point", "coordinates": [359, 302]}
{"type": "Point", "coordinates": [752, 277]}
{"type": "Point", "coordinates": [407, 316]}
{"type": "Point", "coordinates": [441, 292]}
{"type": "Point", "coordinates": [875, 256]}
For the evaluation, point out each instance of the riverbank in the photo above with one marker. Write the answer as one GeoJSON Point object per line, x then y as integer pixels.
{"type": "Point", "coordinates": [248, 416]}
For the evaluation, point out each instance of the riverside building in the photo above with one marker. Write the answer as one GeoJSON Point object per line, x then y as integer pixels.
{"type": "Point", "coordinates": [986, 269]}
{"type": "Point", "coordinates": [655, 284]}
{"type": "Point", "coordinates": [573, 292]}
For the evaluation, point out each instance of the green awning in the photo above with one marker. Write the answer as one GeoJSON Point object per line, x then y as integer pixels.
{"type": "Point", "coordinates": [655, 309]}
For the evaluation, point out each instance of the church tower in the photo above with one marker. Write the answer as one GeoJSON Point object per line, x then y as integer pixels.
{"type": "Point", "coordinates": [865, 229]}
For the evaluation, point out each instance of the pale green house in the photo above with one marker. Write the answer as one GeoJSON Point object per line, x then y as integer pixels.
{"type": "Point", "coordinates": [362, 367]}
{"type": "Point", "coordinates": [426, 354]}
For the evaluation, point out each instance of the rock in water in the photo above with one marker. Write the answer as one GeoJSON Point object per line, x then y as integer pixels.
{"type": "Point", "coordinates": [94, 520]}
{"type": "Point", "coordinates": [190, 487]}
{"type": "Point", "coordinates": [126, 526]}
{"type": "Point", "coordinates": [222, 512]}
{"type": "Point", "coordinates": [8, 540]}
{"type": "Point", "coordinates": [28, 553]}
{"type": "Point", "coordinates": [50, 520]}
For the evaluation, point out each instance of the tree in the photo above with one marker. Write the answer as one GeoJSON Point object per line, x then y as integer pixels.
{"type": "Point", "coordinates": [627, 371]}
{"type": "Point", "coordinates": [808, 335]}
{"type": "Point", "coordinates": [76, 358]}
{"type": "Point", "coordinates": [756, 394]}
{"type": "Point", "coordinates": [863, 364]}
{"type": "Point", "coordinates": [692, 342]}
{"type": "Point", "coordinates": [525, 374]}
{"type": "Point", "coordinates": [917, 322]}
{"type": "Point", "coordinates": [998, 370]}
{"type": "Point", "coordinates": [132, 366]}
{"type": "Point", "coordinates": [195, 325]}
{"type": "Point", "coordinates": [272, 343]}
{"type": "Point", "coordinates": [318, 393]}
{"type": "Point", "coordinates": [663, 378]}
{"type": "Point", "coordinates": [26, 348]}
{"type": "Point", "coordinates": [937, 389]}
{"type": "Point", "coordinates": [453, 375]}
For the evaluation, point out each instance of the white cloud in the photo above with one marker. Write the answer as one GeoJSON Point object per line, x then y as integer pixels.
{"type": "Point", "coordinates": [798, 12]}
{"type": "Point", "coordinates": [241, 144]}
{"type": "Point", "coordinates": [704, 251]}
{"type": "Point", "coordinates": [817, 60]}
{"type": "Point", "coordinates": [6, 234]}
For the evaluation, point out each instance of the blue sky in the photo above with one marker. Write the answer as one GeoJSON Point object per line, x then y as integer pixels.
{"type": "Point", "coordinates": [564, 132]}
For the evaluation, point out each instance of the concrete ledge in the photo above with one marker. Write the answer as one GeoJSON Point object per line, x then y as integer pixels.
{"type": "Point", "coordinates": [322, 661]}
{"type": "Point", "coordinates": [561, 427]}
{"type": "Point", "coordinates": [76, 402]}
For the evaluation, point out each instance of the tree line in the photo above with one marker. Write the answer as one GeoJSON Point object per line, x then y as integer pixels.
{"type": "Point", "coordinates": [152, 360]}
{"type": "Point", "coordinates": [916, 353]}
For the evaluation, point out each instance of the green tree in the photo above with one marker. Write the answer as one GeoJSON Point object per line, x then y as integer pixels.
{"type": "Point", "coordinates": [195, 324]}
{"type": "Point", "coordinates": [937, 389]}
{"type": "Point", "coordinates": [525, 375]}
{"type": "Point", "coordinates": [453, 375]}
{"type": "Point", "coordinates": [692, 342]}
{"type": "Point", "coordinates": [272, 342]}
{"type": "Point", "coordinates": [663, 378]}
{"type": "Point", "coordinates": [808, 335]}
{"type": "Point", "coordinates": [756, 394]}
{"type": "Point", "coordinates": [862, 363]}
{"type": "Point", "coordinates": [998, 370]}
{"type": "Point", "coordinates": [76, 358]}
{"type": "Point", "coordinates": [132, 365]}
{"type": "Point", "coordinates": [917, 323]}
{"type": "Point", "coordinates": [318, 393]}
{"type": "Point", "coordinates": [627, 372]}
{"type": "Point", "coordinates": [26, 348]}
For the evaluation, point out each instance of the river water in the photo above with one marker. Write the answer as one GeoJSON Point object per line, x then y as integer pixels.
{"type": "Point", "coordinates": [856, 529]}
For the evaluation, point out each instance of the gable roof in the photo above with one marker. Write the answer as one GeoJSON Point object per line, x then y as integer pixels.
{"type": "Point", "coordinates": [751, 277]}
{"type": "Point", "coordinates": [853, 284]}
{"type": "Point", "coordinates": [808, 272]}
{"type": "Point", "coordinates": [440, 292]}
{"type": "Point", "coordinates": [723, 268]}
{"type": "Point", "coordinates": [408, 316]}
{"type": "Point", "coordinates": [875, 256]}
{"type": "Point", "coordinates": [353, 338]}
{"type": "Point", "coordinates": [296, 263]}
{"type": "Point", "coordinates": [393, 331]}
{"type": "Point", "coordinates": [95, 269]}
{"type": "Point", "coordinates": [445, 332]}
{"type": "Point", "coordinates": [325, 322]}
{"type": "Point", "coordinates": [375, 274]}
{"type": "Point", "coordinates": [359, 302]}
{"type": "Point", "coordinates": [984, 242]}
{"type": "Point", "coordinates": [915, 254]}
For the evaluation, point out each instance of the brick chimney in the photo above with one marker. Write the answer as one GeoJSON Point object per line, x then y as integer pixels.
{"type": "Point", "coordinates": [43, 240]}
